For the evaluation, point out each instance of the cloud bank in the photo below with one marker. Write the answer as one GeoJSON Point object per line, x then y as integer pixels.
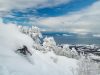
{"type": "Point", "coordinates": [6, 5]}
{"type": "Point", "coordinates": [84, 21]}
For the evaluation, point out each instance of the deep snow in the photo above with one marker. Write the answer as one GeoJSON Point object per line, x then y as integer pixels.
{"type": "Point", "coordinates": [40, 63]}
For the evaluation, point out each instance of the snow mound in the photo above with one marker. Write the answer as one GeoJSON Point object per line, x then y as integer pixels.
{"type": "Point", "coordinates": [42, 63]}
{"type": "Point", "coordinates": [11, 38]}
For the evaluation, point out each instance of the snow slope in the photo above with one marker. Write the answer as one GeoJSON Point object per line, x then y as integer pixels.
{"type": "Point", "coordinates": [39, 64]}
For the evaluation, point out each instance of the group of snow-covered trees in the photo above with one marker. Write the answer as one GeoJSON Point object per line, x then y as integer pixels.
{"type": "Point", "coordinates": [48, 43]}
{"type": "Point", "coordinates": [33, 32]}
{"type": "Point", "coordinates": [85, 66]}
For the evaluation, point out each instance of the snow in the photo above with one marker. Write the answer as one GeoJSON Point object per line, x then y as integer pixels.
{"type": "Point", "coordinates": [92, 56]}
{"type": "Point", "coordinates": [12, 38]}
{"type": "Point", "coordinates": [38, 64]}
{"type": "Point", "coordinates": [66, 35]}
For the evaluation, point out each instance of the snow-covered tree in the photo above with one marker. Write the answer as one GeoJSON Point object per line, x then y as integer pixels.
{"type": "Point", "coordinates": [66, 46]}
{"type": "Point", "coordinates": [33, 32]}
{"type": "Point", "coordinates": [49, 43]}
{"type": "Point", "coordinates": [74, 53]}
{"type": "Point", "coordinates": [67, 50]}
{"type": "Point", "coordinates": [20, 28]}
{"type": "Point", "coordinates": [86, 66]}
{"type": "Point", "coordinates": [23, 29]}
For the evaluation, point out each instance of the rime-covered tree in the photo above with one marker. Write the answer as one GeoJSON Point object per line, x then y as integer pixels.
{"type": "Point", "coordinates": [74, 53]}
{"type": "Point", "coordinates": [49, 43]}
{"type": "Point", "coordinates": [33, 32]}
{"type": "Point", "coordinates": [67, 50]}
{"type": "Point", "coordinates": [86, 66]}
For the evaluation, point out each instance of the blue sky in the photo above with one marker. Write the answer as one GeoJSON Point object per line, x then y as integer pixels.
{"type": "Point", "coordinates": [74, 5]}
{"type": "Point", "coordinates": [54, 15]}
{"type": "Point", "coordinates": [59, 10]}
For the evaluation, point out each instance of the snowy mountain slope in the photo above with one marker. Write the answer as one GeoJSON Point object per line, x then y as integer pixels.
{"type": "Point", "coordinates": [40, 63]}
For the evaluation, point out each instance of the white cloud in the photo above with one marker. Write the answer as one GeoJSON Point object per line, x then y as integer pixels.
{"type": "Point", "coordinates": [86, 20]}
{"type": "Point", "coordinates": [96, 35]}
{"type": "Point", "coordinates": [6, 5]}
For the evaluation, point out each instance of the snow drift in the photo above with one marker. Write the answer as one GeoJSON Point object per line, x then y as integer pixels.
{"type": "Point", "coordinates": [43, 64]}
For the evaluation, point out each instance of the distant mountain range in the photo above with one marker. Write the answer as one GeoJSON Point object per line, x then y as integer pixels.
{"type": "Point", "coordinates": [72, 38]}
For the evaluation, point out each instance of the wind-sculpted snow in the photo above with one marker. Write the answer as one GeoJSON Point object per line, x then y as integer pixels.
{"type": "Point", "coordinates": [12, 38]}
{"type": "Point", "coordinates": [40, 63]}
